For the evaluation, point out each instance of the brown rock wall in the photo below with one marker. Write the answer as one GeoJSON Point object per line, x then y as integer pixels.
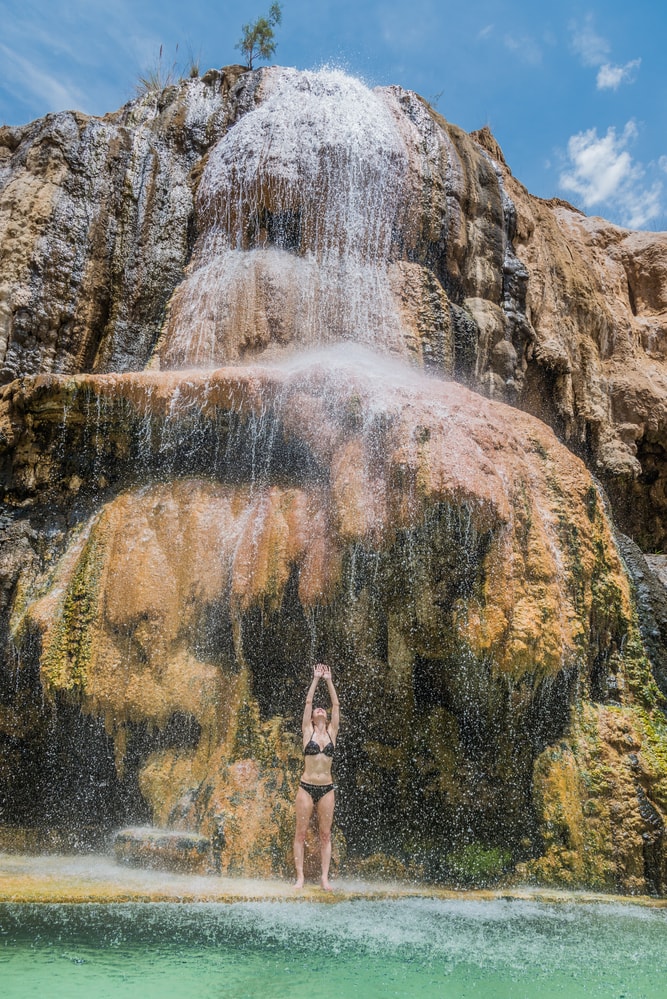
{"type": "Point", "coordinates": [181, 544]}
{"type": "Point", "coordinates": [596, 370]}
{"type": "Point", "coordinates": [95, 228]}
{"type": "Point", "coordinates": [444, 551]}
{"type": "Point", "coordinates": [97, 223]}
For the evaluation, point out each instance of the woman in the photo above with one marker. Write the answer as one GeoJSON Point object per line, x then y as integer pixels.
{"type": "Point", "coordinates": [316, 788]}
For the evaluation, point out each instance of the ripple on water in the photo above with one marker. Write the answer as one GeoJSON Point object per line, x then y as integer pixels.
{"type": "Point", "coordinates": [502, 948]}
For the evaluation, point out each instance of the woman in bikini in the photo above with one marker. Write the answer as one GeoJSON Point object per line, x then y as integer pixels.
{"type": "Point", "coordinates": [316, 788]}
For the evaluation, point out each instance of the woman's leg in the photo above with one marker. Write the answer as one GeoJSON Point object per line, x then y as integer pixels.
{"type": "Point", "coordinates": [325, 811]}
{"type": "Point", "coordinates": [303, 807]}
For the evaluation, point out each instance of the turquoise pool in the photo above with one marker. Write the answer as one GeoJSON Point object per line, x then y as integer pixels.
{"type": "Point", "coordinates": [362, 949]}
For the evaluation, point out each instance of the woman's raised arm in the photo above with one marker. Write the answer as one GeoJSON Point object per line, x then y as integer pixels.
{"type": "Point", "coordinates": [307, 720]}
{"type": "Point", "coordinates": [335, 704]}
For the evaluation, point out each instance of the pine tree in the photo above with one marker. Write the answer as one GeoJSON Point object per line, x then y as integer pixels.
{"type": "Point", "coordinates": [258, 38]}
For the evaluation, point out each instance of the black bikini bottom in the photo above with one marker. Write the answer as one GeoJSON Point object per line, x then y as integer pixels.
{"type": "Point", "coordinates": [316, 791]}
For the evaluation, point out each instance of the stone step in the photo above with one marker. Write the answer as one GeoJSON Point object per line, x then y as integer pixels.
{"type": "Point", "coordinates": [164, 849]}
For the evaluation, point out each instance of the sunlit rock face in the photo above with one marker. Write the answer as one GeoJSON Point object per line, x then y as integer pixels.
{"type": "Point", "coordinates": [597, 368]}
{"type": "Point", "coordinates": [308, 231]}
{"type": "Point", "coordinates": [282, 466]}
{"type": "Point", "coordinates": [444, 551]}
{"type": "Point", "coordinates": [95, 228]}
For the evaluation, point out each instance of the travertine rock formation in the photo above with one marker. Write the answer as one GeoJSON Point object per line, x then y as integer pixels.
{"type": "Point", "coordinates": [96, 226]}
{"type": "Point", "coordinates": [445, 551]}
{"type": "Point", "coordinates": [222, 458]}
{"type": "Point", "coordinates": [597, 302]}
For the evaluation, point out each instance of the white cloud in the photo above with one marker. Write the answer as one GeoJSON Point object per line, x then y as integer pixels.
{"type": "Point", "coordinates": [485, 32]}
{"type": "Point", "coordinates": [592, 48]}
{"type": "Point", "coordinates": [641, 205]}
{"type": "Point", "coordinates": [83, 54]}
{"type": "Point", "coordinates": [56, 92]}
{"type": "Point", "coordinates": [599, 165]}
{"type": "Point", "coordinates": [611, 77]}
{"type": "Point", "coordinates": [601, 172]}
{"type": "Point", "coordinates": [524, 47]}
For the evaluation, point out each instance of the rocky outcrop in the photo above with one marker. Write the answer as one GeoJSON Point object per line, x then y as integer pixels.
{"type": "Point", "coordinates": [240, 312]}
{"type": "Point", "coordinates": [527, 300]}
{"type": "Point", "coordinates": [164, 849]}
{"type": "Point", "coordinates": [96, 227]}
{"type": "Point", "coordinates": [444, 551]}
{"type": "Point", "coordinates": [596, 371]}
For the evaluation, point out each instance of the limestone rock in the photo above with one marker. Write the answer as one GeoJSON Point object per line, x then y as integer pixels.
{"type": "Point", "coordinates": [95, 217]}
{"type": "Point", "coordinates": [98, 220]}
{"type": "Point", "coordinates": [452, 556]}
{"type": "Point", "coordinates": [164, 849]}
{"type": "Point", "coordinates": [234, 320]}
{"type": "Point", "coordinates": [596, 372]}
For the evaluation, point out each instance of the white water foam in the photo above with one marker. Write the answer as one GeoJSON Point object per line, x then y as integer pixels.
{"type": "Point", "coordinates": [301, 206]}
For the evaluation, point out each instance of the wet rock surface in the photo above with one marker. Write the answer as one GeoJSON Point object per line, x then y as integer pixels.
{"type": "Point", "coordinates": [95, 228]}
{"type": "Point", "coordinates": [650, 590]}
{"type": "Point", "coordinates": [557, 313]}
{"type": "Point", "coordinates": [164, 849]}
{"type": "Point", "coordinates": [234, 318]}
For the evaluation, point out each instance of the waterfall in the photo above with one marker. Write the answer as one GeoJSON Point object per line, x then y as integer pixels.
{"type": "Point", "coordinates": [301, 210]}
{"type": "Point", "coordinates": [306, 490]}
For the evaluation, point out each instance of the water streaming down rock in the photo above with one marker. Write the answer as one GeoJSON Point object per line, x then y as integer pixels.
{"type": "Point", "coordinates": [306, 230]}
{"type": "Point", "coordinates": [284, 483]}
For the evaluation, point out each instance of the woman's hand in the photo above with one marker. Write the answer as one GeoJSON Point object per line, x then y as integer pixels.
{"type": "Point", "coordinates": [320, 670]}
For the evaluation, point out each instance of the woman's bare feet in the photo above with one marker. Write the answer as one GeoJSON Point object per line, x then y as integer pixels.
{"type": "Point", "coordinates": [298, 884]}
{"type": "Point", "coordinates": [326, 884]}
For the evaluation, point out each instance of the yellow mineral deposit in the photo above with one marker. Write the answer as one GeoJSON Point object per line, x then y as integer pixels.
{"type": "Point", "coordinates": [291, 473]}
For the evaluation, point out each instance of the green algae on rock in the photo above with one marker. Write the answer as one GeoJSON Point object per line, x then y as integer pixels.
{"type": "Point", "coordinates": [233, 442]}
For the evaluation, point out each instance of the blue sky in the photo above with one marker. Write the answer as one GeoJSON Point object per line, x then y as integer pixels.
{"type": "Point", "coordinates": [575, 93]}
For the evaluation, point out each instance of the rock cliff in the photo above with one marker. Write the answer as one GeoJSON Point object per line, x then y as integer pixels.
{"type": "Point", "coordinates": [293, 369]}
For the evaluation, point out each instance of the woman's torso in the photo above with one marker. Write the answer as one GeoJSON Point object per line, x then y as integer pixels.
{"type": "Point", "coordinates": [317, 758]}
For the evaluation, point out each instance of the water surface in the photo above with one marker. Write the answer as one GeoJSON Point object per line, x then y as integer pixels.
{"type": "Point", "coordinates": [411, 947]}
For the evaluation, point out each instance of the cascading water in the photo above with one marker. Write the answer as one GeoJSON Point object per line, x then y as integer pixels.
{"type": "Point", "coordinates": [413, 948]}
{"type": "Point", "coordinates": [303, 207]}
{"type": "Point", "coordinates": [285, 483]}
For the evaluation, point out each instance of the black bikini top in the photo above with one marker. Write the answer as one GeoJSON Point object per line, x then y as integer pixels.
{"type": "Point", "coordinates": [312, 748]}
